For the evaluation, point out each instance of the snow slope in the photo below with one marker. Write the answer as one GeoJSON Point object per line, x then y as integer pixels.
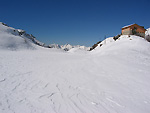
{"type": "Point", "coordinates": [15, 39]}
{"type": "Point", "coordinates": [114, 78]}
{"type": "Point", "coordinates": [8, 41]}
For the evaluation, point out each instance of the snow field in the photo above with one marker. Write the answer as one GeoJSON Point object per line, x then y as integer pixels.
{"type": "Point", "coordinates": [111, 79]}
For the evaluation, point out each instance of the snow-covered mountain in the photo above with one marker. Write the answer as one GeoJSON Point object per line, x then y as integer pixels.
{"type": "Point", "coordinates": [13, 39]}
{"type": "Point", "coordinates": [14, 35]}
{"type": "Point", "coordinates": [68, 47]}
{"type": "Point", "coordinates": [55, 46]}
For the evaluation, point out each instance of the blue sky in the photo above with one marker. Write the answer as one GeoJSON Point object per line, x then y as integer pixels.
{"type": "Point", "coordinates": [82, 22]}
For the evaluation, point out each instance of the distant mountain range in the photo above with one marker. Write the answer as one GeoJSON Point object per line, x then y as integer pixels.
{"type": "Point", "coordinates": [67, 47]}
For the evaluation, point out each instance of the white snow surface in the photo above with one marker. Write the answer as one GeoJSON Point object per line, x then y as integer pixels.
{"type": "Point", "coordinates": [10, 39]}
{"type": "Point", "coordinates": [69, 47]}
{"type": "Point", "coordinates": [147, 34]}
{"type": "Point", "coordinates": [113, 78]}
{"type": "Point", "coordinates": [128, 25]}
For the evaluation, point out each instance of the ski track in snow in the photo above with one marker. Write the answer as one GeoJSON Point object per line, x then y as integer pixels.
{"type": "Point", "coordinates": [44, 81]}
